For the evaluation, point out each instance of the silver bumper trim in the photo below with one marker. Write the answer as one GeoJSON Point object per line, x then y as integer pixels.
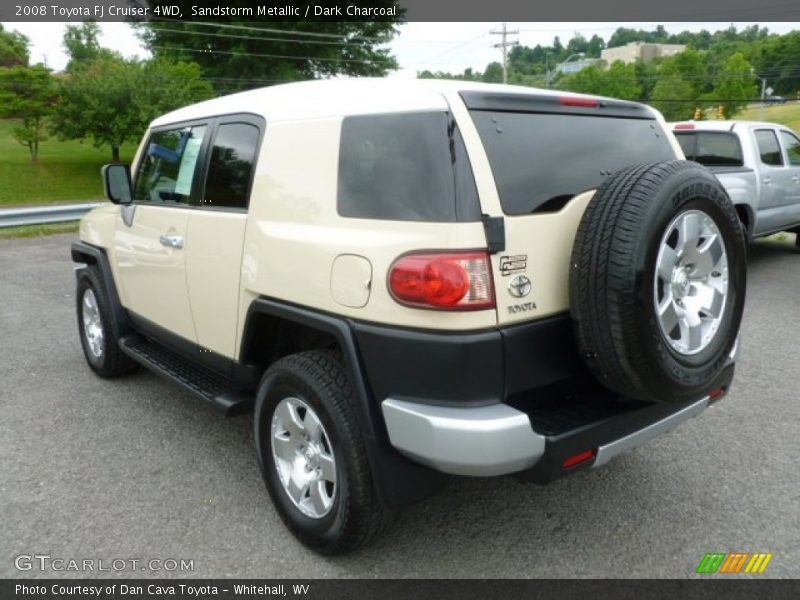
{"type": "Point", "coordinates": [637, 438]}
{"type": "Point", "coordinates": [479, 441]}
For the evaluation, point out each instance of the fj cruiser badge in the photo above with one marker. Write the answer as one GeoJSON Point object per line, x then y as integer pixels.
{"type": "Point", "coordinates": [519, 286]}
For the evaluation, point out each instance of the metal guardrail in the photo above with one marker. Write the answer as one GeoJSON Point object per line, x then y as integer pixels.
{"type": "Point", "coordinates": [40, 215]}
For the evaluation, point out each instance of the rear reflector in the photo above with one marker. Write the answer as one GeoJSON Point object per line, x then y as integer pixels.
{"type": "Point", "coordinates": [680, 126]}
{"type": "Point", "coordinates": [716, 394]}
{"type": "Point", "coordinates": [577, 101]}
{"type": "Point", "coordinates": [447, 281]}
{"type": "Point", "coordinates": [580, 458]}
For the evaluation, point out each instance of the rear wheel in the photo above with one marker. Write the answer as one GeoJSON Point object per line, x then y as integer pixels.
{"type": "Point", "coordinates": [312, 454]}
{"type": "Point", "coordinates": [658, 281]}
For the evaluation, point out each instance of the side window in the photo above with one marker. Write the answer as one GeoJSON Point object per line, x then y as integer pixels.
{"type": "Point", "coordinates": [768, 147]}
{"type": "Point", "coordinates": [792, 145]}
{"type": "Point", "coordinates": [167, 172]}
{"type": "Point", "coordinates": [230, 169]}
{"type": "Point", "coordinates": [405, 167]}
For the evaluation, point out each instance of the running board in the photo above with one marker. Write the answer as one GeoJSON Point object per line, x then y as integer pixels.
{"type": "Point", "coordinates": [202, 382]}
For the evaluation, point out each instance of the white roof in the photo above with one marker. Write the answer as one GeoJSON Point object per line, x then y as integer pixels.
{"type": "Point", "coordinates": [724, 125]}
{"type": "Point", "coordinates": [341, 97]}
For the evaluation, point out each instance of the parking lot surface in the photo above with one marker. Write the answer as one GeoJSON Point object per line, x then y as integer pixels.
{"type": "Point", "coordinates": [138, 469]}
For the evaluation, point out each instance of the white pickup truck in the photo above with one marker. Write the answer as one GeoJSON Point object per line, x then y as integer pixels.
{"type": "Point", "coordinates": [758, 163]}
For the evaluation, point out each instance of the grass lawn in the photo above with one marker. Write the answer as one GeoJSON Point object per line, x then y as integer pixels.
{"type": "Point", "coordinates": [786, 114]}
{"type": "Point", "coordinates": [66, 171]}
{"type": "Point", "coordinates": [38, 230]}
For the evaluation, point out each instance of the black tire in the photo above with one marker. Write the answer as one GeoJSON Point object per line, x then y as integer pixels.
{"type": "Point", "coordinates": [613, 276]}
{"type": "Point", "coordinates": [357, 515]}
{"type": "Point", "coordinates": [111, 362]}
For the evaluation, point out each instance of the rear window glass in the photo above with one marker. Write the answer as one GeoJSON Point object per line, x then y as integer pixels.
{"type": "Point", "coordinates": [405, 167]}
{"type": "Point", "coordinates": [712, 148]}
{"type": "Point", "coordinates": [542, 160]}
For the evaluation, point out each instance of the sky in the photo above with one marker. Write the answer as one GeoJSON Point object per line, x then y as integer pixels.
{"type": "Point", "coordinates": [448, 47]}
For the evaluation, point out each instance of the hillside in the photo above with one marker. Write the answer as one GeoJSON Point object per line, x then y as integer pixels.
{"type": "Point", "coordinates": [66, 171]}
{"type": "Point", "coordinates": [786, 114]}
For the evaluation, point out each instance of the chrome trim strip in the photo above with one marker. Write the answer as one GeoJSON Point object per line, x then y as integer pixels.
{"type": "Point", "coordinates": [481, 441]}
{"type": "Point", "coordinates": [637, 438]}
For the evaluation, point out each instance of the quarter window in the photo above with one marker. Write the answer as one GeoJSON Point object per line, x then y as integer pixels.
{"type": "Point", "coordinates": [405, 167]}
{"type": "Point", "coordinates": [768, 147]}
{"type": "Point", "coordinates": [230, 169]}
{"type": "Point", "coordinates": [168, 169]}
{"type": "Point", "coordinates": [792, 145]}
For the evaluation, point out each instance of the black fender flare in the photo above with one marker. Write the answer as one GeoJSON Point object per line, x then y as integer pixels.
{"type": "Point", "coordinates": [398, 480]}
{"type": "Point", "coordinates": [94, 255]}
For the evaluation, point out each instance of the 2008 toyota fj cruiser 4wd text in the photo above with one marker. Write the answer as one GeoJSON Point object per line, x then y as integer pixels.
{"type": "Point", "coordinates": [409, 279]}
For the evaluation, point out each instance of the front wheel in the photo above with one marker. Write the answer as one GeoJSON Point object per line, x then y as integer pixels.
{"type": "Point", "coordinates": [312, 454]}
{"type": "Point", "coordinates": [99, 337]}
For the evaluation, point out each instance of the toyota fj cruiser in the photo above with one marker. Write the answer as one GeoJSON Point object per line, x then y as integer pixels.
{"type": "Point", "coordinates": [412, 279]}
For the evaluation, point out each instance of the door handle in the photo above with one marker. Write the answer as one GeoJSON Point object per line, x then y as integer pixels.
{"type": "Point", "coordinates": [171, 241]}
{"type": "Point", "coordinates": [767, 180]}
{"type": "Point", "coordinates": [795, 178]}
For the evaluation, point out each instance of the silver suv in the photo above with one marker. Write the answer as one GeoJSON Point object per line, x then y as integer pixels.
{"type": "Point", "coordinates": [408, 279]}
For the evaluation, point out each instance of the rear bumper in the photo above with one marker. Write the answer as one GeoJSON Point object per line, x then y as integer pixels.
{"type": "Point", "coordinates": [499, 439]}
{"type": "Point", "coordinates": [482, 441]}
{"type": "Point", "coordinates": [508, 401]}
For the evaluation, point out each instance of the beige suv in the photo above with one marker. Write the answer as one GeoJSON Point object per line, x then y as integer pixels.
{"type": "Point", "coordinates": [408, 279]}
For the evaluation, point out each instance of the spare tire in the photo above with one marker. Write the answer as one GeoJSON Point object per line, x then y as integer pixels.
{"type": "Point", "coordinates": [657, 283]}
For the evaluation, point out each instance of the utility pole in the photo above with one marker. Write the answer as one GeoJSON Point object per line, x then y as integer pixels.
{"type": "Point", "coordinates": [504, 33]}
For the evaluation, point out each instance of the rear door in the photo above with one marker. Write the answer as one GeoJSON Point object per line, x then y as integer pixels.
{"type": "Point", "coordinates": [216, 232]}
{"type": "Point", "coordinates": [150, 247]}
{"type": "Point", "coordinates": [775, 182]}
{"type": "Point", "coordinates": [791, 150]}
{"type": "Point", "coordinates": [546, 158]}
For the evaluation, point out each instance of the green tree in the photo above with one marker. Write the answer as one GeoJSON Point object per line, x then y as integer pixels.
{"type": "Point", "coordinates": [493, 73]}
{"type": "Point", "coordinates": [82, 45]}
{"type": "Point", "coordinates": [618, 81]}
{"type": "Point", "coordinates": [13, 49]}
{"type": "Point", "coordinates": [734, 85]}
{"type": "Point", "coordinates": [674, 97]}
{"type": "Point", "coordinates": [111, 100]}
{"type": "Point", "coordinates": [239, 56]}
{"type": "Point", "coordinates": [27, 94]}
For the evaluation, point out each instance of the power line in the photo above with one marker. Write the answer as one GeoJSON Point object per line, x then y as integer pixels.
{"type": "Point", "coordinates": [257, 55]}
{"type": "Point", "coordinates": [293, 32]}
{"type": "Point", "coordinates": [257, 38]}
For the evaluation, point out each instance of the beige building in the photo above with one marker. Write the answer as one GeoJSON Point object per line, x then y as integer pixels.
{"type": "Point", "coordinates": [640, 51]}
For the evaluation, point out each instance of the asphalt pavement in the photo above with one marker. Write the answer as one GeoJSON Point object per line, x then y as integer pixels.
{"type": "Point", "coordinates": [137, 469]}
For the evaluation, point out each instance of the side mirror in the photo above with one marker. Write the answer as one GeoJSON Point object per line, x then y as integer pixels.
{"type": "Point", "coordinates": [117, 182]}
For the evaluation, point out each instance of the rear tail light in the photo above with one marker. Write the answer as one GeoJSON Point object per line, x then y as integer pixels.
{"type": "Point", "coordinates": [447, 281]}
{"type": "Point", "coordinates": [578, 101]}
{"type": "Point", "coordinates": [579, 459]}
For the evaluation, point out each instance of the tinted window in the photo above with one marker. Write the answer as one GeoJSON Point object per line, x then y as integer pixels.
{"type": "Point", "coordinates": [686, 140]}
{"type": "Point", "coordinates": [406, 167]}
{"type": "Point", "coordinates": [768, 147]}
{"type": "Point", "coordinates": [792, 145]}
{"type": "Point", "coordinates": [168, 168]}
{"type": "Point", "coordinates": [231, 166]}
{"type": "Point", "coordinates": [711, 148]}
{"type": "Point", "coordinates": [541, 160]}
